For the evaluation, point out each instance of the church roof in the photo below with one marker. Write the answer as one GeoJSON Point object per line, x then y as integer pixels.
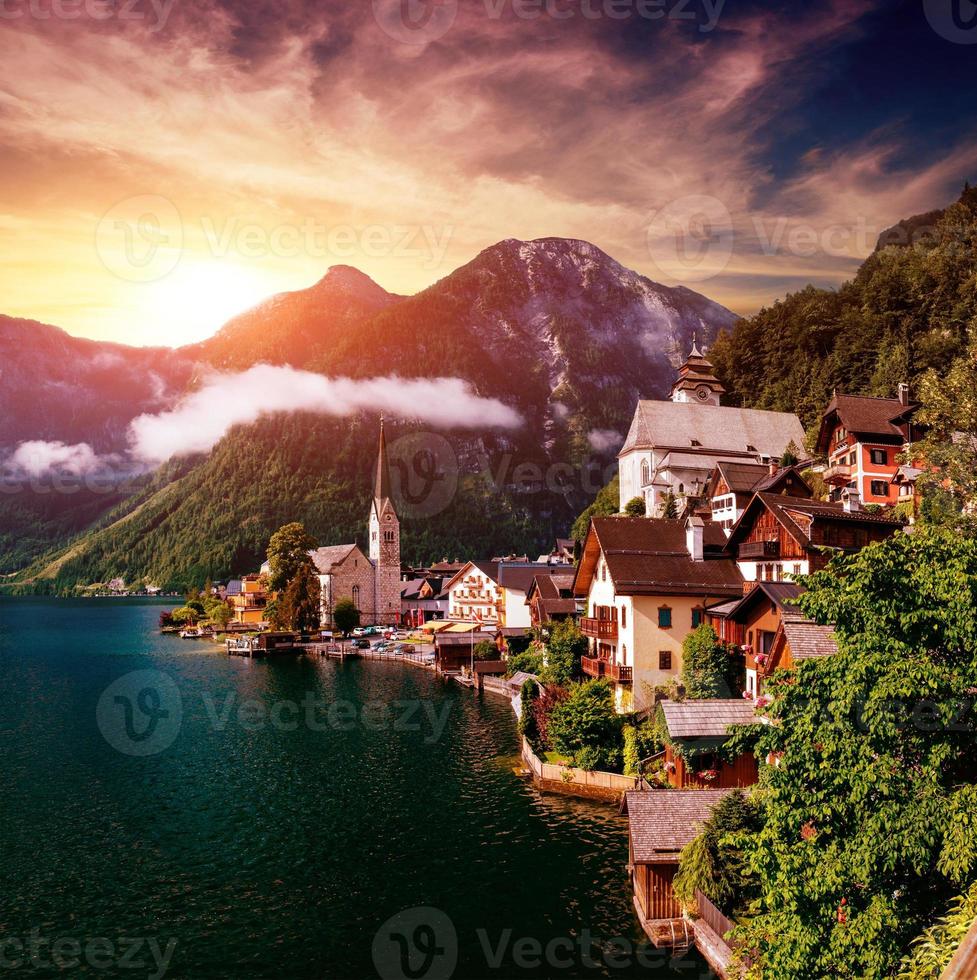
{"type": "Point", "coordinates": [684, 425]}
{"type": "Point", "coordinates": [325, 559]}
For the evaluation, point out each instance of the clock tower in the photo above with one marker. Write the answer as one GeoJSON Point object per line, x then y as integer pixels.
{"type": "Point", "coordinates": [385, 542]}
{"type": "Point", "coordinates": [697, 381]}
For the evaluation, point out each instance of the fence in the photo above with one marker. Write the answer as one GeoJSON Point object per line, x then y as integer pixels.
{"type": "Point", "coordinates": [713, 918]}
{"type": "Point", "coordinates": [605, 782]}
{"type": "Point", "coordinates": [497, 684]}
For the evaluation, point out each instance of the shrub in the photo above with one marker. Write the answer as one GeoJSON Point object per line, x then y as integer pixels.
{"type": "Point", "coordinates": [531, 662]}
{"type": "Point", "coordinates": [585, 727]}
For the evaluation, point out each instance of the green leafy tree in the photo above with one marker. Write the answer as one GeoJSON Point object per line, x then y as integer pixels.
{"type": "Point", "coordinates": [564, 649]}
{"type": "Point", "coordinates": [635, 507]}
{"type": "Point", "coordinates": [706, 665]}
{"type": "Point", "coordinates": [288, 551]}
{"type": "Point", "coordinates": [530, 661]}
{"type": "Point", "coordinates": [869, 814]}
{"type": "Point", "coordinates": [528, 725]}
{"type": "Point", "coordinates": [715, 862]}
{"type": "Point", "coordinates": [932, 951]}
{"type": "Point", "coordinates": [585, 726]}
{"type": "Point", "coordinates": [605, 505]}
{"type": "Point", "coordinates": [345, 616]}
{"type": "Point", "coordinates": [299, 606]}
{"type": "Point", "coordinates": [670, 506]}
{"type": "Point", "coordinates": [949, 448]}
{"type": "Point", "coordinates": [791, 455]}
{"type": "Point", "coordinates": [486, 650]}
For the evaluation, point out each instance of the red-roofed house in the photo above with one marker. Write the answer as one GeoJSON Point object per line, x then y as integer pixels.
{"type": "Point", "coordinates": [647, 582]}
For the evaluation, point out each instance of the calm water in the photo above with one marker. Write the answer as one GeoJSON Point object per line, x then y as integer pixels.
{"type": "Point", "coordinates": [280, 814]}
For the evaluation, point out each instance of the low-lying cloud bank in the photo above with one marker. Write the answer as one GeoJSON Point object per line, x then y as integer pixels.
{"type": "Point", "coordinates": [202, 418]}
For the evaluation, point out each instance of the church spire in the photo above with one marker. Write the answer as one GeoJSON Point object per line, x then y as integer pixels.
{"type": "Point", "coordinates": [381, 484]}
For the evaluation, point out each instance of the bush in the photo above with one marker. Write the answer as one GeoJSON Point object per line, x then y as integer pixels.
{"type": "Point", "coordinates": [706, 665]}
{"type": "Point", "coordinates": [635, 507]}
{"type": "Point", "coordinates": [486, 650]}
{"type": "Point", "coordinates": [585, 727]}
{"type": "Point", "coordinates": [528, 724]}
{"type": "Point", "coordinates": [563, 652]}
{"type": "Point", "coordinates": [531, 662]}
{"type": "Point", "coordinates": [639, 742]}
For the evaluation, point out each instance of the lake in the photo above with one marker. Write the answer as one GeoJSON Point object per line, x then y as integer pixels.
{"type": "Point", "coordinates": [168, 810]}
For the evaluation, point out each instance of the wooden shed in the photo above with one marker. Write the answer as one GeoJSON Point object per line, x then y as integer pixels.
{"type": "Point", "coordinates": [660, 823]}
{"type": "Point", "coordinates": [702, 727]}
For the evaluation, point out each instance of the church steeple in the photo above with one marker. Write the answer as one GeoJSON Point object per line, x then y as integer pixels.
{"type": "Point", "coordinates": [697, 381]}
{"type": "Point", "coordinates": [381, 482]}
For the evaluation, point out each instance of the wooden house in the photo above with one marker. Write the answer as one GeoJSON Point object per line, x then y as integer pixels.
{"type": "Point", "coordinates": [660, 824]}
{"type": "Point", "coordinates": [862, 438]}
{"type": "Point", "coordinates": [698, 729]}
{"type": "Point", "coordinates": [550, 598]}
{"type": "Point", "coordinates": [732, 485]}
{"type": "Point", "coordinates": [778, 538]}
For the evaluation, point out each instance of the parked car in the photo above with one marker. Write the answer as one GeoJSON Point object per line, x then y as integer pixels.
{"type": "Point", "coordinates": [361, 644]}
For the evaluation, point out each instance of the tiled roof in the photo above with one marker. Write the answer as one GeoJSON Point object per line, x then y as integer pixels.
{"type": "Point", "coordinates": [325, 559]}
{"type": "Point", "coordinates": [684, 424]}
{"type": "Point", "coordinates": [780, 593]}
{"type": "Point", "coordinates": [742, 477]}
{"type": "Point", "coordinates": [519, 578]}
{"type": "Point", "coordinates": [723, 608]}
{"type": "Point", "coordinates": [662, 821]}
{"type": "Point", "coordinates": [706, 719]}
{"type": "Point", "coordinates": [867, 416]}
{"type": "Point", "coordinates": [807, 639]}
{"type": "Point", "coordinates": [649, 556]}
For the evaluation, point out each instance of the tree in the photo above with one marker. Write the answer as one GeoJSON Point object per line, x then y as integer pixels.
{"type": "Point", "coordinates": [635, 507]}
{"type": "Point", "coordinates": [948, 482]}
{"type": "Point", "coordinates": [563, 652]}
{"type": "Point", "coordinates": [299, 606]}
{"type": "Point", "coordinates": [486, 650]}
{"type": "Point", "coordinates": [529, 661]}
{"type": "Point", "coordinates": [605, 505]}
{"type": "Point", "coordinates": [586, 727]}
{"type": "Point", "coordinates": [790, 455]}
{"type": "Point", "coordinates": [345, 616]}
{"type": "Point", "coordinates": [288, 551]}
{"type": "Point", "coordinates": [869, 814]}
{"type": "Point", "coordinates": [528, 725]}
{"type": "Point", "coordinates": [670, 506]}
{"type": "Point", "coordinates": [715, 862]}
{"type": "Point", "coordinates": [932, 951]}
{"type": "Point", "coordinates": [706, 665]}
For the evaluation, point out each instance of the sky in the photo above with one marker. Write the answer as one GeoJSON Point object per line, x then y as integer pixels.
{"type": "Point", "coordinates": [165, 164]}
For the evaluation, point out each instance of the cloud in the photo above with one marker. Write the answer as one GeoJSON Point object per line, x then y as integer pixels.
{"type": "Point", "coordinates": [39, 458]}
{"type": "Point", "coordinates": [201, 419]}
{"type": "Point", "coordinates": [604, 440]}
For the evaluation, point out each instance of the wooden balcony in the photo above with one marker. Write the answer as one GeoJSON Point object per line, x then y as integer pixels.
{"type": "Point", "coordinates": [599, 629]}
{"type": "Point", "coordinates": [759, 549]}
{"type": "Point", "coordinates": [594, 667]}
{"type": "Point", "coordinates": [839, 473]}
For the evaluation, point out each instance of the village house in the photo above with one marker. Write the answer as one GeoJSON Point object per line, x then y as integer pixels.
{"type": "Point", "coordinates": [696, 733]}
{"type": "Point", "coordinates": [778, 538]}
{"type": "Point", "coordinates": [550, 598]}
{"type": "Point", "coordinates": [422, 600]}
{"type": "Point", "coordinates": [493, 593]}
{"type": "Point", "coordinates": [660, 823]}
{"type": "Point", "coordinates": [371, 582]}
{"type": "Point", "coordinates": [731, 487]}
{"type": "Point", "coordinates": [673, 446]}
{"type": "Point", "coordinates": [862, 439]}
{"type": "Point", "coordinates": [249, 597]}
{"type": "Point", "coordinates": [647, 583]}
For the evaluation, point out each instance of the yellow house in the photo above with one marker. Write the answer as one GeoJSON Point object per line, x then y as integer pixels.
{"type": "Point", "coordinates": [249, 603]}
{"type": "Point", "coordinates": [647, 582]}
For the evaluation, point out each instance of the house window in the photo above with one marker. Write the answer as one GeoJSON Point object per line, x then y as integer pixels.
{"type": "Point", "coordinates": [645, 473]}
{"type": "Point", "coordinates": [664, 659]}
{"type": "Point", "coordinates": [880, 488]}
{"type": "Point", "coordinates": [603, 572]}
{"type": "Point", "coordinates": [696, 618]}
{"type": "Point", "coordinates": [664, 617]}
{"type": "Point", "coordinates": [624, 653]}
{"type": "Point", "coordinates": [356, 596]}
{"type": "Point", "coordinates": [624, 617]}
{"type": "Point", "coordinates": [388, 536]}
{"type": "Point", "coordinates": [880, 457]}
{"type": "Point", "coordinates": [797, 570]}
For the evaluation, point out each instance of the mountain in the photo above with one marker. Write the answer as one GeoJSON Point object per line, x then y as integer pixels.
{"type": "Point", "coordinates": [298, 328]}
{"type": "Point", "coordinates": [905, 312]}
{"type": "Point", "coordinates": [57, 387]}
{"type": "Point", "coordinates": [555, 328]}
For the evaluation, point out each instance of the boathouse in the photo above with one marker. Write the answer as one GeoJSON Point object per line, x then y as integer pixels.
{"type": "Point", "coordinates": [660, 824]}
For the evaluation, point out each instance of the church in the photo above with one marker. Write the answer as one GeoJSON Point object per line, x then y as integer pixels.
{"type": "Point", "coordinates": [673, 446]}
{"type": "Point", "coordinates": [372, 582]}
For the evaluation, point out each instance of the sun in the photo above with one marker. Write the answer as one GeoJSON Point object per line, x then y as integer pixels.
{"type": "Point", "coordinates": [197, 298]}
